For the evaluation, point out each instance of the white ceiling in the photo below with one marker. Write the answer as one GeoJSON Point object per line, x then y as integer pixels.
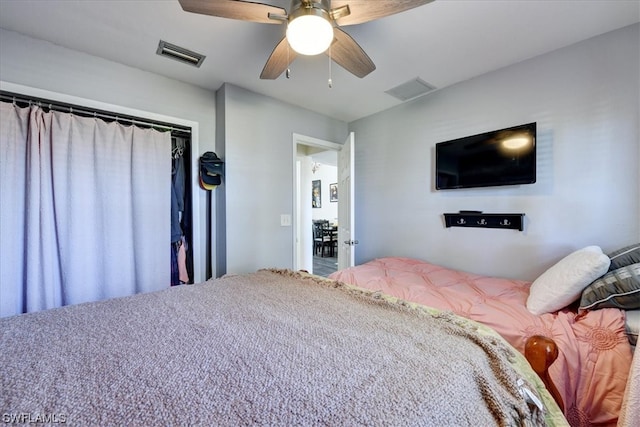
{"type": "Point", "coordinates": [442, 43]}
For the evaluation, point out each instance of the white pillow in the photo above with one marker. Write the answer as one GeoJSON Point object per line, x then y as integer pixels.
{"type": "Point", "coordinates": [563, 283]}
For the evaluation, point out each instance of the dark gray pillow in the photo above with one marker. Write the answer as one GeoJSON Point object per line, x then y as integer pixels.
{"type": "Point", "coordinates": [619, 288]}
{"type": "Point", "coordinates": [625, 256]}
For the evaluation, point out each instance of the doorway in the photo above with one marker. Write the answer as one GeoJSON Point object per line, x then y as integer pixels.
{"type": "Point", "coordinates": [324, 210]}
{"type": "Point", "coordinates": [315, 160]}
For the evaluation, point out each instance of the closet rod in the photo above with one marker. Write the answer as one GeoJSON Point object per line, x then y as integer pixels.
{"type": "Point", "coordinates": [88, 112]}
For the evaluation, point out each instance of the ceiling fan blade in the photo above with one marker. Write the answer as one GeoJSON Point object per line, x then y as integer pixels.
{"type": "Point", "coordinates": [349, 55]}
{"type": "Point", "coordinates": [367, 10]}
{"type": "Point", "coordinates": [279, 60]}
{"type": "Point", "coordinates": [234, 9]}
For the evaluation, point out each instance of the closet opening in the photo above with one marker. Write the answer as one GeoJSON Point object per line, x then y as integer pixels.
{"type": "Point", "coordinates": [181, 208]}
{"type": "Point", "coordinates": [181, 191]}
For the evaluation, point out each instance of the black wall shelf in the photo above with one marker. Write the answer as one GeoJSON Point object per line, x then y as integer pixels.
{"type": "Point", "coordinates": [510, 221]}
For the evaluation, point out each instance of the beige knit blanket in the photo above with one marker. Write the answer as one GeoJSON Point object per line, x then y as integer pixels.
{"type": "Point", "coordinates": [273, 348]}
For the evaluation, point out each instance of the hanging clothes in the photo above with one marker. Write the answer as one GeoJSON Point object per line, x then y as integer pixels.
{"type": "Point", "coordinates": [179, 274]}
{"type": "Point", "coordinates": [177, 189]}
{"type": "Point", "coordinates": [175, 276]}
{"type": "Point", "coordinates": [183, 275]}
{"type": "Point", "coordinates": [178, 241]}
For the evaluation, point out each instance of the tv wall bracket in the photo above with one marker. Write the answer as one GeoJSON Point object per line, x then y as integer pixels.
{"type": "Point", "coordinates": [511, 221]}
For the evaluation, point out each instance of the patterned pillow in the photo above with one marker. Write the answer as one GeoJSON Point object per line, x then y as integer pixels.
{"type": "Point", "coordinates": [625, 256]}
{"type": "Point", "coordinates": [619, 288]}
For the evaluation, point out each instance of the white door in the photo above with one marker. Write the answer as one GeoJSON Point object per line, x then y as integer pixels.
{"type": "Point", "coordinates": [346, 212]}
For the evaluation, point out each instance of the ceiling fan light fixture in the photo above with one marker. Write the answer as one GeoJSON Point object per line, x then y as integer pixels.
{"type": "Point", "coordinates": [309, 31]}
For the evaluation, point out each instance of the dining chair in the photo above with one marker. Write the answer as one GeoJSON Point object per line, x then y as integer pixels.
{"type": "Point", "coordinates": [321, 238]}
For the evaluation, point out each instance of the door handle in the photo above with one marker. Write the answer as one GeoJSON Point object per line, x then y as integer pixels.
{"type": "Point", "coordinates": [351, 242]}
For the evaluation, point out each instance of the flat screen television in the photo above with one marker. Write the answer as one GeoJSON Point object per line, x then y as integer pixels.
{"type": "Point", "coordinates": [501, 157]}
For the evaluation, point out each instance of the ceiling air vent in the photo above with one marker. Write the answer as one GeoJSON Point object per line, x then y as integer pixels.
{"type": "Point", "coordinates": [179, 54]}
{"type": "Point", "coordinates": [411, 89]}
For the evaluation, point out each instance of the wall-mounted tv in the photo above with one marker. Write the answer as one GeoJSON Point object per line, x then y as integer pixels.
{"type": "Point", "coordinates": [501, 157]}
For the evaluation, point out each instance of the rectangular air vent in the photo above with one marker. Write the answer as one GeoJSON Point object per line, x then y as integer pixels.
{"type": "Point", "coordinates": [179, 54]}
{"type": "Point", "coordinates": [411, 89]}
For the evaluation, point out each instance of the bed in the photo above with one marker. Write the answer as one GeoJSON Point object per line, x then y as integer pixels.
{"type": "Point", "coordinates": [595, 352]}
{"type": "Point", "coordinates": [275, 348]}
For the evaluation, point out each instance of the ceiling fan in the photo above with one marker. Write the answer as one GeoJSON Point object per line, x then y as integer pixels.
{"type": "Point", "coordinates": [312, 26]}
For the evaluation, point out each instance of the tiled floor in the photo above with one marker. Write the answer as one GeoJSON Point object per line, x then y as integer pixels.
{"type": "Point", "coordinates": [324, 266]}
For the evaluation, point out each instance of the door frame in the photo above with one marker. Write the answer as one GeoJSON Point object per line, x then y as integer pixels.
{"type": "Point", "coordinates": [309, 141]}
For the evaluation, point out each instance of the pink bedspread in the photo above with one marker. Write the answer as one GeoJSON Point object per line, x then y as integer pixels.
{"type": "Point", "coordinates": [595, 354]}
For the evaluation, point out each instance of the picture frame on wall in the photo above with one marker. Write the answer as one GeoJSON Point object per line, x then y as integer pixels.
{"type": "Point", "coordinates": [333, 192]}
{"type": "Point", "coordinates": [316, 194]}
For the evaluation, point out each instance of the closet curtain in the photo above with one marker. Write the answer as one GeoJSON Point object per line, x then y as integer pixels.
{"type": "Point", "coordinates": [84, 209]}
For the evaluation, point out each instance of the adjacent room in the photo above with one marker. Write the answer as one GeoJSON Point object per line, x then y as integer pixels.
{"type": "Point", "coordinates": [208, 219]}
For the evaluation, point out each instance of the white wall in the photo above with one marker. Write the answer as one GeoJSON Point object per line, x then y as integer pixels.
{"type": "Point", "coordinates": [259, 181]}
{"type": "Point", "coordinates": [585, 99]}
{"type": "Point", "coordinates": [43, 65]}
{"type": "Point", "coordinates": [327, 174]}
{"type": "Point", "coordinates": [251, 132]}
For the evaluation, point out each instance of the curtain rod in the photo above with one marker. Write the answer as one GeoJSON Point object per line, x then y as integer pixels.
{"type": "Point", "coordinates": [89, 112]}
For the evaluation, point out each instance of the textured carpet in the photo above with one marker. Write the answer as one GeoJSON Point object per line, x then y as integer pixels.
{"type": "Point", "coordinates": [269, 348]}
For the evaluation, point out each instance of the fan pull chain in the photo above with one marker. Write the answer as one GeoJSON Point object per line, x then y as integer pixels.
{"type": "Point", "coordinates": [288, 73]}
{"type": "Point", "coordinates": [330, 81]}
